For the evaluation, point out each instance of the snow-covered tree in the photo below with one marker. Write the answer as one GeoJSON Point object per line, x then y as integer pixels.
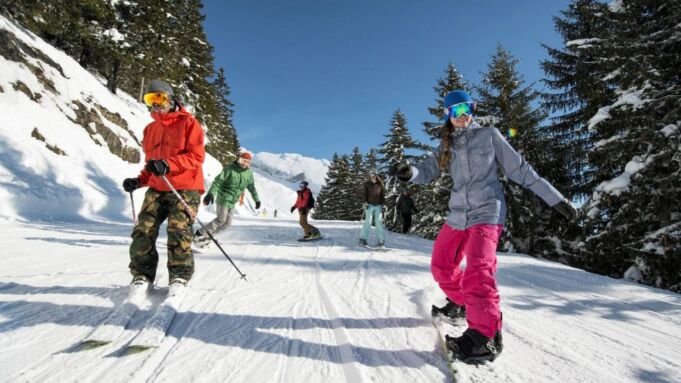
{"type": "Point", "coordinates": [634, 213]}
{"type": "Point", "coordinates": [399, 147]}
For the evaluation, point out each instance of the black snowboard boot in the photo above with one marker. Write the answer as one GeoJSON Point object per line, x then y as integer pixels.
{"type": "Point", "coordinates": [474, 348]}
{"type": "Point", "coordinates": [451, 311]}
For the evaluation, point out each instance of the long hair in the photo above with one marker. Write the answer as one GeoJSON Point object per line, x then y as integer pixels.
{"type": "Point", "coordinates": [378, 178]}
{"type": "Point", "coordinates": [445, 143]}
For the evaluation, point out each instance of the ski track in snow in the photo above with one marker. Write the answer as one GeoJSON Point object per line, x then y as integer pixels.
{"type": "Point", "coordinates": [319, 311]}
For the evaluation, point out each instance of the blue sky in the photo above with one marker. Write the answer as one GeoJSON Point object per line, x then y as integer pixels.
{"type": "Point", "coordinates": [319, 76]}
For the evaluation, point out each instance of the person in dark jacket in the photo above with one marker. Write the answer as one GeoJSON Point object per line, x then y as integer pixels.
{"type": "Point", "coordinates": [406, 207]}
{"type": "Point", "coordinates": [303, 204]}
{"type": "Point", "coordinates": [472, 154]}
{"type": "Point", "coordinates": [373, 196]}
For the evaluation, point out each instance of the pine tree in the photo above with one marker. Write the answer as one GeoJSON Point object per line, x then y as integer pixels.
{"type": "Point", "coordinates": [222, 140]}
{"type": "Point", "coordinates": [326, 197]}
{"type": "Point", "coordinates": [507, 104]}
{"type": "Point", "coordinates": [337, 193]}
{"type": "Point", "coordinates": [357, 179]}
{"type": "Point", "coordinates": [433, 199]}
{"type": "Point", "coordinates": [580, 83]}
{"type": "Point", "coordinates": [398, 148]}
{"type": "Point", "coordinates": [634, 214]}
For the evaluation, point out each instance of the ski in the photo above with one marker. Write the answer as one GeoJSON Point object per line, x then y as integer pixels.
{"type": "Point", "coordinates": [155, 328]}
{"type": "Point", "coordinates": [114, 325]}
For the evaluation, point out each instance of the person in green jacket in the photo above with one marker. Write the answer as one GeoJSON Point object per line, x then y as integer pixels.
{"type": "Point", "coordinates": [225, 192]}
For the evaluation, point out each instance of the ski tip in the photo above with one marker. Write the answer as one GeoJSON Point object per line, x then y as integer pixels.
{"type": "Point", "coordinates": [91, 344]}
{"type": "Point", "coordinates": [132, 350]}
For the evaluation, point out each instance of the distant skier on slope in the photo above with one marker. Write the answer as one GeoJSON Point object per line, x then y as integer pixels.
{"type": "Point", "coordinates": [406, 207]}
{"type": "Point", "coordinates": [304, 203]}
{"type": "Point", "coordinates": [228, 186]}
{"type": "Point", "coordinates": [477, 211]}
{"type": "Point", "coordinates": [373, 196]}
{"type": "Point", "coordinates": [173, 147]}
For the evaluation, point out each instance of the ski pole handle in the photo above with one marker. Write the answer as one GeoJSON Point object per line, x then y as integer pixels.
{"type": "Point", "coordinates": [132, 203]}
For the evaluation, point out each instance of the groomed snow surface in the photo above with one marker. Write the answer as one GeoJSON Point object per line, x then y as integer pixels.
{"type": "Point", "coordinates": [325, 311]}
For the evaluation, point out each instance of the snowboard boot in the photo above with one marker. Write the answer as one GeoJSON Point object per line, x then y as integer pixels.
{"type": "Point", "coordinates": [315, 235]}
{"type": "Point", "coordinates": [363, 242]}
{"type": "Point", "coordinates": [451, 311]}
{"type": "Point", "coordinates": [474, 348]}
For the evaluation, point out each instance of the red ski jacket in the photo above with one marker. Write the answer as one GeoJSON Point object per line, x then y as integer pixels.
{"type": "Point", "coordinates": [177, 138]}
{"type": "Point", "coordinates": [303, 198]}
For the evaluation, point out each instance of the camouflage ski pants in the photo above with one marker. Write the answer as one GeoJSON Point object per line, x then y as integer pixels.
{"type": "Point", "coordinates": [157, 207]}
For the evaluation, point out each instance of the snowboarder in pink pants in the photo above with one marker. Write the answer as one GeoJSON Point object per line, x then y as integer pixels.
{"type": "Point", "coordinates": [477, 211]}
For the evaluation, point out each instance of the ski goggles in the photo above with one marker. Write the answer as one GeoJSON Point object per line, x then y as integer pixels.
{"type": "Point", "coordinates": [156, 99]}
{"type": "Point", "coordinates": [458, 110]}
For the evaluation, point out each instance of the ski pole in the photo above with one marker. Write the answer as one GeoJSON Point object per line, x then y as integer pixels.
{"type": "Point", "coordinates": [195, 216]}
{"type": "Point", "coordinates": [132, 203]}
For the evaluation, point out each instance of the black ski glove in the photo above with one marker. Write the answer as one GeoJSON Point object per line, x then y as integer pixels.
{"type": "Point", "coordinates": [566, 209]}
{"type": "Point", "coordinates": [208, 199]}
{"type": "Point", "coordinates": [293, 208]}
{"type": "Point", "coordinates": [257, 204]}
{"type": "Point", "coordinates": [130, 184]}
{"type": "Point", "coordinates": [402, 171]}
{"type": "Point", "coordinates": [157, 167]}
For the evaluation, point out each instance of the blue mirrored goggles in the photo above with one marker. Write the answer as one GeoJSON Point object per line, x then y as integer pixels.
{"type": "Point", "coordinates": [458, 110]}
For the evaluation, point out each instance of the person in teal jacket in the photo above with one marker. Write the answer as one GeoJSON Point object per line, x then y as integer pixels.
{"type": "Point", "coordinates": [225, 192]}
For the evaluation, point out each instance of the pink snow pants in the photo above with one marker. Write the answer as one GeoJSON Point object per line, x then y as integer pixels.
{"type": "Point", "coordinates": [474, 287]}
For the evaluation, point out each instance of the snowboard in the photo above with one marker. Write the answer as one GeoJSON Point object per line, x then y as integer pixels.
{"type": "Point", "coordinates": [310, 239]}
{"type": "Point", "coordinates": [376, 248]}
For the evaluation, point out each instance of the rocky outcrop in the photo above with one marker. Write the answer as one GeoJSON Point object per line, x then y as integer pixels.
{"type": "Point", "coordinates": [90, 120]}
{"type": "Point", "coordinates": [36, 134]}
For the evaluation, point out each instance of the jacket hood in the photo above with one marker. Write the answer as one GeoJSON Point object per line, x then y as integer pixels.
{"type": "Point", "coordinates": [170, 117]}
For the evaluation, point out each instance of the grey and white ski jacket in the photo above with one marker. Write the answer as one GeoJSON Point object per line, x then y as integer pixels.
{"type": "Point", "coordinates": [477, 196]}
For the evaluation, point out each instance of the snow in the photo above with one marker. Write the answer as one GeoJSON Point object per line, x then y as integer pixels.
{"type": "Point", "coordinates": [630, 97]}
{"type": "Point", "coordinates": [616, 6]}
{"type": "Point", "coordinates": [324, 311]}
{"type": "Point", "coordinates": [582, 43]}
{"type": "Point", "coordinates": [114, 34]}
{"type": "Point", "coordinates": [621, 183]}
{"type": "Point", "coordinates": [669, 130]}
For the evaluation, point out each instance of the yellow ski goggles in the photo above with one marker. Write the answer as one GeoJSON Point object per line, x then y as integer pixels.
{"type": "Point", "coordinates": [156, 99]}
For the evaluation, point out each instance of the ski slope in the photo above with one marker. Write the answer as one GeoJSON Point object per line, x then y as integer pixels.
{"type": "Point", "coordinates": [325, 311]}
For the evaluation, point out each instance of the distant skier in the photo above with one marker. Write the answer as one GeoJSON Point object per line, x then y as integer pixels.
{"type": "Point", "coordinates": [275, 213]}
{"type": "Point", "coordinates": [477, 211]}
{"type": "Point", "coordinates": [373, 196]}
{"type": "Point", "coordinates": [304, 203]}
{"type": "Point", "coordinates": [173, 147]}
{"type": "Point", "coordinates": [225, 191]}
{"type": "Point", "coordinates": [406, 207]}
